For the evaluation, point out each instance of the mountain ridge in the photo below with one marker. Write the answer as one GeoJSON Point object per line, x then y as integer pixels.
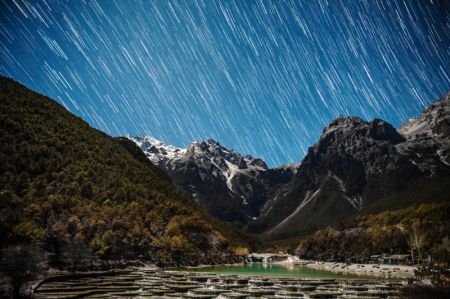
{"type": "Point", "coordinates": [205, 168]}
{"type": "Point", "coordinates": [353, 164]}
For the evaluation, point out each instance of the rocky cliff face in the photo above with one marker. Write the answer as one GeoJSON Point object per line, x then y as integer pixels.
{"type": "Point", "coordinates": [427, 139]}
{"type": "Point", "coordinates": [354, 164]}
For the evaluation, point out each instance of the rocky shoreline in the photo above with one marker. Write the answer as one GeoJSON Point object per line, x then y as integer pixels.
{"type": "Point", "coordinates": [375, 270]}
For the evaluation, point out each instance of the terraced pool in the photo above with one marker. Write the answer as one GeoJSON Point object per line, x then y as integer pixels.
{"type": "Point", "coordinates": [191, 284]}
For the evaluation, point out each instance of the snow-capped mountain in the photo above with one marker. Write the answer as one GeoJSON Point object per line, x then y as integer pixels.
{"type": "Point", "coordinates": [231, 186]}
{"type": "Point", "coordinates": [354, 166]}
{"type": "Point", "coordinates": [428, 143]}
{"type": "Point", "coordinates": [157, 151]}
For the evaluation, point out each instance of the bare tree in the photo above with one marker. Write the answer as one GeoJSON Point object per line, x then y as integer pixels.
{"type": "Point", "coordinates": [416, 240]}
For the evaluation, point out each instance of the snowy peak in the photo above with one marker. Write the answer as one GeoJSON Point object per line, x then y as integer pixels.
{"type": "Point", "coordinates": [434, 121]}
{"type": "Point", "coordinates": [428, 138]}
{"type": "Point", "coordinates": [231, 186]}
{"type": "Point", "coordinates": [218, 154]}
{"type": "Point", "coordinates": [199, 151]}
{"type": "Point", "coordinates": [156, 150]}
{"type": "Point", "coordinates": [212, 157]}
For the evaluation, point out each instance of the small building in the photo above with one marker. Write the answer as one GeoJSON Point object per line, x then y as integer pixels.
{"type": "Point", "coordinates": [376, 259]}
{"type": "Point", "coordinates": [396, 259]}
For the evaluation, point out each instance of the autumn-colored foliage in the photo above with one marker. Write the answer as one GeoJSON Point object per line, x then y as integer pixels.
{"type": "Point", "coordinates": [65, 185]}
{"type": "Point", "coordinates": [420, 230]}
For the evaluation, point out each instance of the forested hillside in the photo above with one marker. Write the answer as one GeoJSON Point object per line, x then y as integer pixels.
{"type": "Point", "coordinates": [420, 230]}
{"type": "Point", "coordinates": [80, 194]}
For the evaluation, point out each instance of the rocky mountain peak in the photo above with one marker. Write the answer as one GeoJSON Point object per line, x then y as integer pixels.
{"type": "Point", "coordinates": [427, 138]}
{"type": "Point", "coordinates": [209, 151]}
{"type": "Point", "coordinates": [231, 186]}
{"type": "Point", "coordinates": [342, 124]}
{"type": "Point", "coordinates": [157, 151]}
{"type": "Point", "coordinates": [433, 122]}
{"type": "Point", "coordinates": [210, 146]}
{"type": "Point", "coordinates": [206, 145]}
{"type": "Point", "coordinates": [354, 164]}
{"type": "Point", "coordinates": [213, 150]}
{"type": "Point", "coordinates": [355, 137]}
{"type": "Point", "coordinates": [355, 127]}
{"type": "Point", "coordinates": [381, 130]}
{"type": "Point", "coordinates": [255, 162]}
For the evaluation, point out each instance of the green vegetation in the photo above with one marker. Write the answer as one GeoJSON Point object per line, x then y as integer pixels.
{"type": "Point", "coordinates": [88, 199]}
{"type": "Point", "coordinates": [419, 230]}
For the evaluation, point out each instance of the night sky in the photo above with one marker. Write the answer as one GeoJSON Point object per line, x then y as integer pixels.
{"type": "Point", "coordinates": [262, 77]}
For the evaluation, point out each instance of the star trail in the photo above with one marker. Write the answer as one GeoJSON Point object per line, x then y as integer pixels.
{"type": "Point", "coordinates": [262, 77]}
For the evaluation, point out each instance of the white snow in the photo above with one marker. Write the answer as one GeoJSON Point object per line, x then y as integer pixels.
{"type": "Point", "coordinates": [414, 127]}
{"type": "Point", "coordinates": [308, 198]}
{"type": "Point", "coordinates": [356, 202]}
{"type": "Point", "coordinates": [232, 171]}
{"type": "Point", "coordinates": [165, 151]}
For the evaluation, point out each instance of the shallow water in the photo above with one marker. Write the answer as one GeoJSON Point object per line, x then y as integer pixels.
{"type": "Point", "coordinates": [272, 270]}
{"type": "Point", "coordinates": [146, 284]}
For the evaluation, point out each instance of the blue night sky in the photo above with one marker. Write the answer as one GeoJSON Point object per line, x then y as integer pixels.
{"type": "Point", "coordinates": [262, 77]}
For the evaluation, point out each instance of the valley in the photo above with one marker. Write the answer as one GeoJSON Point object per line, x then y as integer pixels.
{"type": "Point", "coordinates": [252, 149]}
{"type": "Point", "coordinates": [75, 200]}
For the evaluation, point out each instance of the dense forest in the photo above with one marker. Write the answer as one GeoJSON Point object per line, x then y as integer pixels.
{"type": "Point", "coordinates": [420, 230]}
{"type": "Point", "coordinates": [84, 199]}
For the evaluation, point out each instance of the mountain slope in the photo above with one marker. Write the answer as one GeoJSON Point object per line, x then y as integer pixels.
{"type": "Point", "coordinates": [428, 142]}
{"type": "Point", "coordinates": [232, 187]}
{"type": "Point", "coordinates": [357, 164]}
{"type": "Point", "coordinates": [66, 185]}
{"type": "Point", "coordinates": [356, 167]}
{"type": "Point", "coordinates": [420, 229]}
